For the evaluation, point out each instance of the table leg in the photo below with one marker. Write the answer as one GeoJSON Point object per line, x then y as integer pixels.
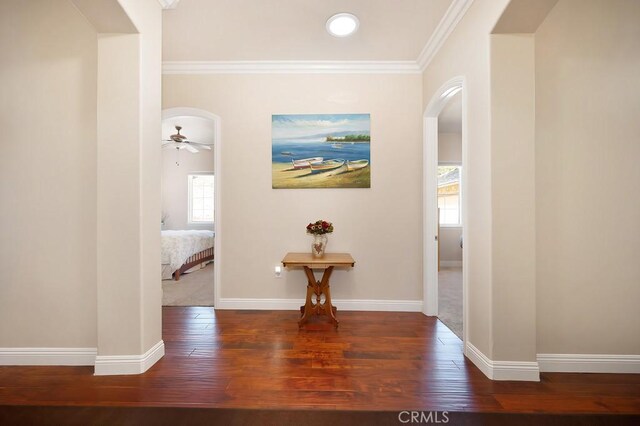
{"type": "Point", "coordinates": [312, 286]}
{"type": "Point", "coordinates": [325, 288]}
{"type": "Point", "coordinates": [318, 288]}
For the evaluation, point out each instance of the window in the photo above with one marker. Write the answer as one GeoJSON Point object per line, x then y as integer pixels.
{"type": "Point", "coordinates": [449, 200]}
{"type": "Point", "coordinates": [201, 198]}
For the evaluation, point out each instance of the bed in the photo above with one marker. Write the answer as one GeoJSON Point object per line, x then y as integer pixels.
{"type": "Point", "coordinates": [184, 250]}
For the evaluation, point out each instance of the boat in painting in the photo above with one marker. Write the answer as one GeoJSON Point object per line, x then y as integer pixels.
{"type": "Point", "coordinates": [306, 162]}
{"type": "Point", "coordinates": [357, 164]}
{"type": "Point", "coordinates": [327, 165]}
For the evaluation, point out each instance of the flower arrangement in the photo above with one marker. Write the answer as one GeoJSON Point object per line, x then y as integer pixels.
{"type": "Point", "coordinates": [320, 227]}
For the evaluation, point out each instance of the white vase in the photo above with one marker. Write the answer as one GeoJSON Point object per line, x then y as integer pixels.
{"type": "Point", "coordinates": [319, 245]}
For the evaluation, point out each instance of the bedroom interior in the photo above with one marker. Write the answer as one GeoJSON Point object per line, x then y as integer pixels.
{"type": "Point", "coordinates": [550, 305]}
{"type": "Point", "coordinates": [450, 242]}
{"type": "Point", "coordinates": [188, 231]}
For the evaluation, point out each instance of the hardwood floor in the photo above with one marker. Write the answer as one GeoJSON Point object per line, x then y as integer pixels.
{"type": "Point", "coordinates": [259, 359]}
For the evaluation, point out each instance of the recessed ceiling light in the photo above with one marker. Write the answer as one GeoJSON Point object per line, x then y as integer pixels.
{"type": "Point", "coordinates": [342, 24]}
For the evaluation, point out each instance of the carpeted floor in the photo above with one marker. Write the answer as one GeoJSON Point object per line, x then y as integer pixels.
{"type": "Point", "coordinates": [450, 298]}
{"type": "Point", "coordinates": [194, 289]}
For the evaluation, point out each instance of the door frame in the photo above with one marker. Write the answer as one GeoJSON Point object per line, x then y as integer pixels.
{"type": "Point", "coordinates": [430, 198]}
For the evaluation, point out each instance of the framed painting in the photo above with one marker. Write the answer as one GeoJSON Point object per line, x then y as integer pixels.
{"type": "Point", "coordinates": [321, 151]}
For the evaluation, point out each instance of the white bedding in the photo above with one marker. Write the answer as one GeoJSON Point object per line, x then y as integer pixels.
{"type": "Point", "coordinates": [178, 246]}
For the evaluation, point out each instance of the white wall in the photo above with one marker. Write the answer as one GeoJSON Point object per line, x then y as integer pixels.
{"type": "Point", "coordinates": [129, 198]}
{"type": "Point", "coordinates": [513, 196]}
{"type": "Point", "coordinates": [586, 273]}
{"type": "Point", "coordinates": [147, 16]}
{"type": "Point", "coordinates": [450, 250]}
{"type": "Point", "coordinates": [47, 176]}
{"type": "Point", "coordinates": [450, 148]}
{"type": "Point", "coordinates": [380, 226]}
{"type": "Point", "coordinates": [466, 53]}
{"type": "Point", "coordinates": [175, 194]}
{"type": "Point", "coordinates": [80, 252]}
{"type": "Point", "coordinates": [118, 192]}
{"type": "Point", "coordinates": [587, 178]}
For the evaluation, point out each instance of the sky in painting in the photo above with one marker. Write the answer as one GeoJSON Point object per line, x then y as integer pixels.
{"type": "Point", "coordinates": [294, 126]}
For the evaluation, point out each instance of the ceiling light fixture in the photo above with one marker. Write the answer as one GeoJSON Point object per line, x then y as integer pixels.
{"type": "Point", "coordinates": [342, 24]}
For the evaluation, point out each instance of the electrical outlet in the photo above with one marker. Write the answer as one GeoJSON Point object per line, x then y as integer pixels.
{"type": "Point", "coordinates": [278, 271]}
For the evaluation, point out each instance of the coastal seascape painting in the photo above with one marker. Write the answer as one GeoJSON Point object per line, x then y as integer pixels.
{"type": "Point", "coordinates": [321, 151]}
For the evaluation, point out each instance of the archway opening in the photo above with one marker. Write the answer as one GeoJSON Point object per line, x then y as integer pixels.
{"type": "Point", "coordinates": [452, 89]}
{"type": "Point", "coordinates": [191, 207]}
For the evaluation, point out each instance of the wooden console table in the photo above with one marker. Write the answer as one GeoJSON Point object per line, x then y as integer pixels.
{"type": "Point", "coordinates": [309, 263]}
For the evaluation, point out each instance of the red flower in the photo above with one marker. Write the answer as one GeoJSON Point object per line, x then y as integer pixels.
{"type": "Point", "coordinates": [320, 227]}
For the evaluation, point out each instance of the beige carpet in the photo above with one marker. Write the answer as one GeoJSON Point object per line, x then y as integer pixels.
{"type": "Point", "coordinates": [194, 289]}
{"type": "Point", "coordinates": [450, 298]}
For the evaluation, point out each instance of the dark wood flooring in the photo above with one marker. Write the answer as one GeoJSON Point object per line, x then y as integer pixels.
{"type": "Point", "coordinates": [382, 361]}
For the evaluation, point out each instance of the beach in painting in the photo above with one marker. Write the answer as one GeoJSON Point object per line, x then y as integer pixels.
{"type": "Point", "coordinates": [339, 143]}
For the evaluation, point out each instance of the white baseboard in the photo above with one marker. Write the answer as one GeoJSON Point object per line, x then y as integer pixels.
{"type": "Point", "coordinates": [589, 363]}
{"type": "Point", "coordinates": [451, 263]}
{"type": "Point", "coordinates": [128, 364]}
{"type": "Point", "coordinates": [503, 370]}
{"type": "Point", "coordinates": [343, 305]}
{"type": "Point", "coordinates": [48, 356]}
{"type": "Point", "coordinates": [479, 359]}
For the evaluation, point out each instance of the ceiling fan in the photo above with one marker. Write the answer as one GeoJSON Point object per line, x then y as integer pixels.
{"type": "Point", "coordinates": [179, 141]}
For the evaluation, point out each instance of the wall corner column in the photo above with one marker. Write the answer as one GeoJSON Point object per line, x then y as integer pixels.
{"type": "Point", "coordinates": [128, 193]}
{"type": "Point", "coordinates": [513, 206]}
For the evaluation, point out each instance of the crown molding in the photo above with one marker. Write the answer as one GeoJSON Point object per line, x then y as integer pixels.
{"type": "Point", "coordinates": [445, 27]}
{"type": "Point", "coordinates": [168, 4]}
{"type": "Point", "coordinates": [290, 67]}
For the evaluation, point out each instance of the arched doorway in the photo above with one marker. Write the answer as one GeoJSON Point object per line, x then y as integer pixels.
{"type": "Point", "coordinates": [169, 116]}
{"type": "Point", "coordinates": [430, 197]}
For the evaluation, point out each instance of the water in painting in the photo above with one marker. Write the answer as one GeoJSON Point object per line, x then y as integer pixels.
{"type": "Point", "coordinates": [321, 151]}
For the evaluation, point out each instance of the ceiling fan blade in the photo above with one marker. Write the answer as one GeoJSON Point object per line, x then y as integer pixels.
{"type": "Point", "coordinates": [191, 149]}
{"type": "Point", "coordinates": [199, 145]}
{"type": "Point", "coordinates": [173, 145]}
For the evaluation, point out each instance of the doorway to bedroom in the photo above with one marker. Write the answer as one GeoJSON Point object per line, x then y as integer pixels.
{"type": "Point", "coordinates": [450, 225]}
{"type": "Point", "coordinates": [188, 207]}
{"type": "Point", "coordinates": [446, 251]}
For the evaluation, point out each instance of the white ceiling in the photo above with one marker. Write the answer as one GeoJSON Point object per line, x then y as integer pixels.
{"type": "Point", "coordinates": [450, 118]}
{"type": "Point", "coordinates": [196, 129]}
{"type": "Point", "coordinates": [264, 30]}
